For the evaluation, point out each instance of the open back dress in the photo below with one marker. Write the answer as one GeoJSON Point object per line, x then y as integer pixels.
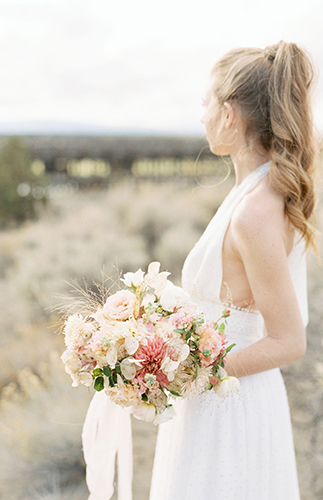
{"type": "Point", "coordinates": [240, 447]}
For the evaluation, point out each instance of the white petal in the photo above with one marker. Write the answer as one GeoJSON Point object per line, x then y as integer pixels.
{"type": "Point", "coordinates": [131, 345]}
{"type": "Point", "coordinates": [112, 356]}
{"type": "Point", "coordinates": [227, 386]}
{"type": "Point", "coordinates": [128, 368]}
{"type": "Point", "coordinates": [149, 297]}
{"type": "Point", "coordinates": [167, 414]}
{"type": "Point", "coordinates": [86, 379]}
{"type": "Point", "coordinates": [154, 267]}
{"type": "Point", "coordinates": [144, 411]}
{"type": "Point", "coordinates": [134, 279]}
{"type": "Point", "coordinates": [221, 373]}
{"type": "Point", "coordinates": [184, 352]}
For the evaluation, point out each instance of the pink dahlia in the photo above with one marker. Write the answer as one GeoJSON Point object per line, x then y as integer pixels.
{"type": "Point", "coordinates": [151, 357]}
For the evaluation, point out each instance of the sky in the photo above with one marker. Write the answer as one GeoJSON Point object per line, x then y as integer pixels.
{"type": "Point", "coordinates": [134, 65]}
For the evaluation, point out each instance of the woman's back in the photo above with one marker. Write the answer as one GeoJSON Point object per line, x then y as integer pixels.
{"type": "Point", "coordinates": [257, 213]}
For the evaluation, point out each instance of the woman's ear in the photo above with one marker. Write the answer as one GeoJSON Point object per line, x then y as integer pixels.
{"type": "Point", "coordinates": [230, 115]}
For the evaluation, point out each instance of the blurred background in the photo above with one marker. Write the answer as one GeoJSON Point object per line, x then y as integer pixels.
{"type": "Point", "coordinates": [104, 167]}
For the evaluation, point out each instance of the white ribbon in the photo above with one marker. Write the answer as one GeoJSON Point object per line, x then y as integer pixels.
{"type": "Point", "coordinates": [107, 432]}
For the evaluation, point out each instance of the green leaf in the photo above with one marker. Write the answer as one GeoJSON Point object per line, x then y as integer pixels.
{"type": "Point", "coordinates": [216, 326]}
{"type": "Point", "coordinates": [222, 328]}
{"type": "Point", "coordinates": [144, 397]}
{"type": "Point", "coordinates": [111, 382]}
{"type": "Point", "coordinates": [180, 330]}
{"type": "Point", "coordinates": [207, 353]}
{"type": "Point", "coordinates": [175, 393]}
{"type": "Point", "coordinates": [187, 336]}
{"type": "Point", "coordinates": [225, 314]}
{"type": "Point", "coordinates": [114, 377]}
{"type": "Point", "coordinates": [107, 371]}
{"type": "Point", "coordinates": [99, 384]}
{"type": "Point", "coordinates": [97, 372]}
{"type": "Point", "coordinates": [228, 349]}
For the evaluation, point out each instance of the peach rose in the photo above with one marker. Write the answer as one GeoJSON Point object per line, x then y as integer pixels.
{"type": "Point", "coordinates": [120, 305]}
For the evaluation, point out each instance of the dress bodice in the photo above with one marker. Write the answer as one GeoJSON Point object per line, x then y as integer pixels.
{"type": "Point", "coordinates": [202, 270]}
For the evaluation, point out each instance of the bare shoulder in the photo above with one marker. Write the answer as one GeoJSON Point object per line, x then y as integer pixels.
{"type": "Point", "coordinates": [260, 216]}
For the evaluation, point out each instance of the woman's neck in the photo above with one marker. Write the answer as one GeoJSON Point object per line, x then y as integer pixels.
{"type": "Point", "coordinates": [247, 161]}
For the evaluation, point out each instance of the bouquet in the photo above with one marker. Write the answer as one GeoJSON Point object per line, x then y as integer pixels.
{"type": "Point", "coordinates": [147, 345]}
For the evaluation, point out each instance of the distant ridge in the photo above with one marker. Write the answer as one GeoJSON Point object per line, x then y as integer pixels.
{"type": "Point", "coordinates": [81, 129]}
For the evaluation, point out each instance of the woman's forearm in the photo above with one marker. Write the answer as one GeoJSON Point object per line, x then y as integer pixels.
{"type": "Point", "coordinates": [266, 354]}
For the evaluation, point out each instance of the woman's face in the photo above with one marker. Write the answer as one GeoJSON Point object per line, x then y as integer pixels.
{"type": "Point", "coordinates": [212, 121]}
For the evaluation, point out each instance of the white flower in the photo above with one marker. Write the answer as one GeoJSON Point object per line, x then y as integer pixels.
{"type": "Point", "coordinates": [221, 373]}
{"type": "Point", "coordinates": [112, 356]}
{"type": "Point", "coordinates": [148, 298]}
{"type": "Point", "coordinates": [133, 279]}
{"type": "Point", "coordinates": [168, 366]}
{"type": "Point", "coordinates": [227, 386]}
{"type": "Point", "coordinates": [120, 306]}
{"type": "Point", "coordinates": [131, 345]}
{"type": "Point", "coordinates": [71, 361]}
{"type": "Point", "coordinates": [77, 331]}
{"type": "Point", "coordinates": [129, 367]}
{"type": "Point", "coordinates": [173, 296]}
{"type": "Point", "coordinates": [164, 329]}
{"type": "Point", "coordinates": [144, 411]}
{"type": "Point", "coordinates": [86, 379]}
{"type": "Point", "coordinates": [167, 414]}
{"type": "Point", "coordinates": [199, 384]}
{"type": "Point", "coordinates": [154, 278]}
{"type": "Point", "coordinates": [100, 357]}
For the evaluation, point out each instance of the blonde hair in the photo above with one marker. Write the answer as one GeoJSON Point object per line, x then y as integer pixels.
{"type": "Point", "coordinates": [272, 89]}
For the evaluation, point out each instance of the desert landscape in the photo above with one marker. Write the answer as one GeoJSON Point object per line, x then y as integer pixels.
{"type": "Point", "coordinates": [96, 234]}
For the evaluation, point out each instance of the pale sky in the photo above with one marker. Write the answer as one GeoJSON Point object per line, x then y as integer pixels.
{"type": "Point", "coordinates": [135, 64]}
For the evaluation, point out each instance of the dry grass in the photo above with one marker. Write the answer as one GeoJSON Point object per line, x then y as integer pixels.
{"type": "Point", "coordinates": [120, 229]}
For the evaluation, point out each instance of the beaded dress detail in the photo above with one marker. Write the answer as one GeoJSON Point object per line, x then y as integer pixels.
{"type": "Point", "coordinates": [240, 447]}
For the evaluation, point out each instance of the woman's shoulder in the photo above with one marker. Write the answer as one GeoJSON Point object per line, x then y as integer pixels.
{"type": "Point", "coordinates": [261, 214]}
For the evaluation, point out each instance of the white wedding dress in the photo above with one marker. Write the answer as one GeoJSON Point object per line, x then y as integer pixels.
{"type": "Point", "coordinates": [241, 447]}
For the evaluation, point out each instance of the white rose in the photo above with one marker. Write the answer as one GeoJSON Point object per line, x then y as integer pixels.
{"type": "Point", "coordinates": [172, 296]}
{"type": "Point", "coordinates": [133, 279]}
{"type": "Point", "coordinates": [227, 386]}
{"type": "Point", "coordinates": [71, 361]}
{"type": "Point", "coordinates": [167, 414]}
{"type": "Point", "coordinates": [144, 411]}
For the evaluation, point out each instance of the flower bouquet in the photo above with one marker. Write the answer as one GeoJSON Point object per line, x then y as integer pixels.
{"type": "Point", "coordinates": [146, 345]}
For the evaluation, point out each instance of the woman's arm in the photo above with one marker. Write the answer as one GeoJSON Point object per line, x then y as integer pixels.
{"type": "Point", "coordinates": [259, 237]}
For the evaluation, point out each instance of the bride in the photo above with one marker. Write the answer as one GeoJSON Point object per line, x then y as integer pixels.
{"type": "Point", "coordinates": [252, 258]}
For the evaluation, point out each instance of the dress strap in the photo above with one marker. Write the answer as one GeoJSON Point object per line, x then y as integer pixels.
{"type": "Point", "coordinates": [202, 271]}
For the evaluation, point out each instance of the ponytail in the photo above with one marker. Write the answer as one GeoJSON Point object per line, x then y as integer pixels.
{"type": "Point", "coordinates": [272, 89]}
{"type": "Point", "coordinates": [293, 147]}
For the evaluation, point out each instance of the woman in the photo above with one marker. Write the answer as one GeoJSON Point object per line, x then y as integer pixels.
{"type": "Point", "coordinates": [252, 257]}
